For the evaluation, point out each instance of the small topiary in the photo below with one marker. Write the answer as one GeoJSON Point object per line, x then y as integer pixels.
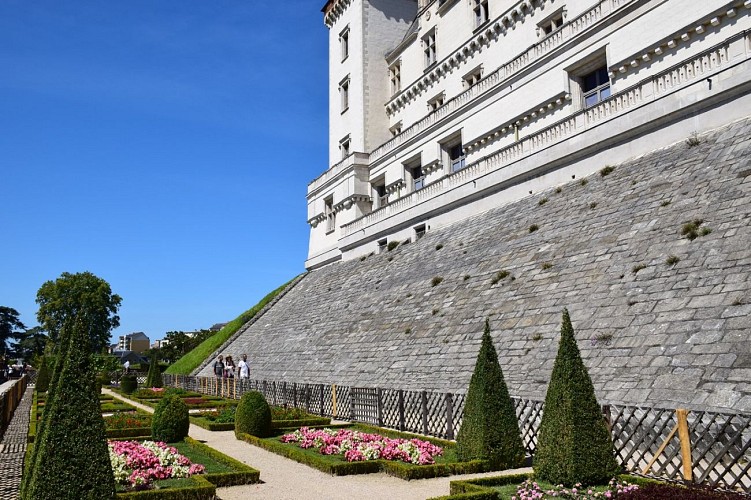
{"type": "Point", "coordinates": [170, 422]}
{"type": "Point", "coordinates": [253, 415]}
{"type": "Point", "coordinates": [574, 444]}
{"type": "Point", "coordinates": [490, 429]}
{"type": "Point", "coordinates": [128, 384]}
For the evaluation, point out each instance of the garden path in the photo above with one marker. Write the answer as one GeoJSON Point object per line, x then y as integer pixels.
{"type": "Point", "coordinates": [285, 479]}
{"type": "Point", "coordinates": [13, 448]}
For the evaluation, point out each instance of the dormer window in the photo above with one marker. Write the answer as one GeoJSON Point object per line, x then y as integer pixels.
{"type": "Point", "coordinates": [481, 12]}
{"type": "Point", "coordinates": [428, 47]}
{"type": "Point", "coordinates": [472, 77]}
{"type": "Point", "coordinates": [436, 102]}
{"type": "Point", "coordinates": [395, 77]}
{"type": "Point", "coordinates": [550, 24]}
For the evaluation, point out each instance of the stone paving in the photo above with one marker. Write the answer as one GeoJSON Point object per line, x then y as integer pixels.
{"type": "Point", "coordinates": [284, 479]}
{"type": "Point", "coordinates": [660, 319]}
{"type": "Point", "coordinates": [13, 448]}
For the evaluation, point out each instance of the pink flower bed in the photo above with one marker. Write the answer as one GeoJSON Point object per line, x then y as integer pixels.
{"type": "Point", "coordinates": [139, 464]}
{"type": "Point", "coordinates": [357, 446]}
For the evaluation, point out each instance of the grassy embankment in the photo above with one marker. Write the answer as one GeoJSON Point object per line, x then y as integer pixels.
{"type": "Point", "coordinates": [193, 359]}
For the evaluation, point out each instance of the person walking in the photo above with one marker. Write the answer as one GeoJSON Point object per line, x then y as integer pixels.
{"type": "Point", "coordinates": [243, 371]}
{"type": "Point", "coordinates": [219, 371]}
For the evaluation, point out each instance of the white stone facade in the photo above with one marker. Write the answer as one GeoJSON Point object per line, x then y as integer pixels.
{"type": "Point", "coordinates": [442, 109]}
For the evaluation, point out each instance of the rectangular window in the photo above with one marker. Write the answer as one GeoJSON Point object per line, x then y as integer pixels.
{"type": "Point", "coordinates": [418, 177]}
{"type": "Point", "coordinates": [396, 129]}
{"type": "Point", "coordinates": [381, 197]}
{"type": "Point", "coordinates": [472, 77]}
{"type": "Point", "coordinates": [595, 86]}
{"type": "Point", "coordinates": [419, 231]}
{"type": "Point", "coordinates": [344, 146]}
{"type": "Point", "coordinates": [395, 77]}
{"type": "Point", "coordinates": [344, 42]}
{"type": "Point", "coordinates": [382, 245]}
{"type": "Point", "coordinates": [456, 157]}
{"type": "Point", "coordinates": [481, 12]}
{"type": "Point", "coordinates": [428, 47]}
{"type": "Point", "coordinates": [330, 214]}
{"type": "Point", "coordinates": [344, 94]}
{"type": "Point", "coordinates": [436, 102]}
{"type": "Point", "coordinates": [550, 24]}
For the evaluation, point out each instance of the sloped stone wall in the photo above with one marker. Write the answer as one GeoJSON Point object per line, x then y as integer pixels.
{"type": "Point", "coordinates": [651, 331]}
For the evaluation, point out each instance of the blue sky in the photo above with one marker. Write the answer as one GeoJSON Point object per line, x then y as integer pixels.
{"type": "Point", "coordinates": [164, 146]}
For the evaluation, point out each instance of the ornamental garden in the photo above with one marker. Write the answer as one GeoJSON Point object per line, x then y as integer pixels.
{"type": "Point", "coordinates": [88, 443]}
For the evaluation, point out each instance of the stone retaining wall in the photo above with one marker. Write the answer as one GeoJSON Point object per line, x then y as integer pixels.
{"type": "Point", "coordinates": [652, 331]}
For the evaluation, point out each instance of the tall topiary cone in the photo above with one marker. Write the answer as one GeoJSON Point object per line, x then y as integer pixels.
{"type": "Point", "coordinates": [490, 429]}
{"type": "Point", "coordinates": [71, 456]}
{"type": "Point", "coordinates": [154, 377]}
{"type": "Point", "coordinates": [44, 375]}
{"type": "Point", "coordinates": [574, 444]}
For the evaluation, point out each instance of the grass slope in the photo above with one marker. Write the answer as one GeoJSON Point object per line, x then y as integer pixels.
{"type": "Point", "coordinates": [192, 360]}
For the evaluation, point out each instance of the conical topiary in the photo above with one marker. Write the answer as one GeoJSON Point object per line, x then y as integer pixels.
{"type": "Point", "coordinates": [490, 429]}
{"type": "Point", "coordinates": [43, 377]}
{"type": "Point", "coordinates": [154, 377]}
{"type": "Point", "coordinates": [574, 444]}
{"type": "Point", "coordinates": [71, 456]}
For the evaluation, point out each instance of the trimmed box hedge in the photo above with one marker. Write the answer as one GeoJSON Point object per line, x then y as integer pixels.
{"type": "Point", "coordinates": [200, 489]}
{"type": "Point", "coordinates": [243, 474]}
{"type": "Point", "coordinates": [339, 467]}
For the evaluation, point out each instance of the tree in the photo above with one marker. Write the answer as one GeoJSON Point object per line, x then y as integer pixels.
{"type": "Point", "coordinates": [574, 444]}
{"type": "Point", "coordinates": [9, 325]}
{"type": "Point", "coordinates": [154, 377]}
{"type": "Point", "coordinates": [30, 344]}
{"type": "Point", "coordinates": [178, 344]}
{"type": "Point", "coordinates": [83, 296]}
{"type": "Point", "coordinates": [70, 459]}
{"type": "Point", "coordinates": [490, 429]}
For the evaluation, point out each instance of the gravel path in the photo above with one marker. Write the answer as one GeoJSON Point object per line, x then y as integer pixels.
{"type": "Point", "coordinates": [284, 479]}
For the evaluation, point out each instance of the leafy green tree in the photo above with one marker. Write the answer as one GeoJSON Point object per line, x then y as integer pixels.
{"type": "Point", "coordinates": [490, 428]}
{"type": "Point", "coordinates": [574, 444]}
{"type": "Point", "coordinates": [71, 459]}
{"type": "Point", "coordinates": [10, 325]}
{"type": "Point", "coordinates": [80, 295]}
{"type": "Point", "coordinates": [178, 344]}
{"type": "Point", "coordinates": [30, 344]}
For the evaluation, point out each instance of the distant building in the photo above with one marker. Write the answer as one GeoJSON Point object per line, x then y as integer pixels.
{"type": "Point", "coordinates": [217, 326]}
{"type": "Point", "coordinates": [125, 355]}
{"type": "Point", "coordinates": [136, 342]}
{"type": "Point", "coordinates": [441, 109]}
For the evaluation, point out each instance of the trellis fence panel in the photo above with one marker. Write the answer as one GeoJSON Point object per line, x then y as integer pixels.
{"type": "Point", "coordinates": [645, 439]}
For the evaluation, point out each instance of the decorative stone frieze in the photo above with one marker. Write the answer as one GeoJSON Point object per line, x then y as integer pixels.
{"type": "Point", "coordinates": [317, 219]}
{"type": "Point", "coordinates": [350, 201]}
{"type": "Point", "coordinates": [494, 30]}
{"type": "Point", "coordinates": [538, 111]}
{"type": "Point", "coordinates": [431, 167]}
{"type": "Point", "coordinates": [334, 10]}
{"type": "Point", "coordinates": [395, 186]}
{"type": "Point", "coordinates": [675, 41]}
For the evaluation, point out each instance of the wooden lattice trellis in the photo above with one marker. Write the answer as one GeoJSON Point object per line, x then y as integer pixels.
{"type": "Point", "coordinates": [709, 448]}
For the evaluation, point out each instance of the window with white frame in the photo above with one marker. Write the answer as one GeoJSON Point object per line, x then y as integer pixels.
{"type": "Point", "coordinates": [344, 146]}
{"type": "Point", "coordinates": [344, 43]}
{"type": "Point", "coordinates": [429, 48]}
{"type": "Point", "coordinates": [344, 93]}
{"type": "Point", "coordinates": [550, 24]}
{"type": "Point", "coordinates": [329, 213]}
{"type": "Point", "coordinates": [395, 77]}
{"type": "Point", "coordinates": [472, 77]}
{"type": "Point", "coordinates": [416, 174]}
{"type": "Point", "coordinates": [380, 196]}
{"type": "Point", "coordinates": [453, 152]}
{"type": "Point", "coordinates": [436, 102]}
{"type": "Point", "coordinates": [595, 86]}
{"type": "Point", "coordinates": [480, 8]}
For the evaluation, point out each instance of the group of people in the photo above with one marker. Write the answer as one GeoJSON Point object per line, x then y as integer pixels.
{"type": "Point", "coordinates": [8, 372]}
{"type": "Point", "coordinates": [224, 367]}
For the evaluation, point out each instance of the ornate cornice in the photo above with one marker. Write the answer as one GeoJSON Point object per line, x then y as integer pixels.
{"type": "Point", "coordinates": [333, 10]}
{"type": "Point", "coordinates": [350, 200]}
{"type": "Point", "coordinates": [672, 43]}
{"type": "Point", "coordinates": [492, 32]}
{"type": "Point", "coordinates": [395, 186]}
{"type": "Point", "coordinates": [518, 121]}
{"type": "Point", "coordinates": [432, 167]}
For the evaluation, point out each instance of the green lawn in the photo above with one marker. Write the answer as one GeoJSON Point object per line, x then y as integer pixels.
{"type": "Point", "coordinates": [198, 457]}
